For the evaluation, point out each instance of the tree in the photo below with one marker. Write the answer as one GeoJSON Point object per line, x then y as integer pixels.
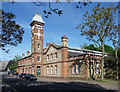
{"type": "Point", "coordinates": [12, 32]}
{"type": "Point", "coordinates": [83, 46]}
{"type": "Point", "coordinates": [56, 10]}
{"type": "Point", "coordinates": [110, 65]}
{"type": "Point", "coordinates": [14, 62]}
{"type": "Point", "coordinates": [97, 27]}
{"type": "Point", "coordinates": [114, 39]}
{"type": "Point", "coordinates": [91, 47]}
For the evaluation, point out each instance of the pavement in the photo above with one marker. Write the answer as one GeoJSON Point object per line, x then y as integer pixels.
{"type": "Point", "coordinates": [109, 84]}
{"type": "Point", "coordinates": [11, 83]}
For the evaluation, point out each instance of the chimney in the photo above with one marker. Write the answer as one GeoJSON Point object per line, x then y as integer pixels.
{"type": "Point", "coordinates": [23, 55]}
{"type": "Point", "coordinates": [28, 53]}
{"type": "Point", "coordinates": [47, 45]}
{"type": "Point", "coordinates": [64, 41]}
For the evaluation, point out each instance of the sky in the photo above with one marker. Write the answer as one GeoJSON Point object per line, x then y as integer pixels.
{"type": "Point", "coordinates": [55, 26]}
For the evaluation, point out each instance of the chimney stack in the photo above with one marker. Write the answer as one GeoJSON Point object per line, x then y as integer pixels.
{"type": "Point", "coordinates": [64, 41]}
{"type": "Point", "coordinates": [23, 55]}
{"type": "Point", "coordinates": [28, 53]}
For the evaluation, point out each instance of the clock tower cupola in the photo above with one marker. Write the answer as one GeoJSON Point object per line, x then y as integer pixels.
{"type": "Point", "coordinates": [37, 34]}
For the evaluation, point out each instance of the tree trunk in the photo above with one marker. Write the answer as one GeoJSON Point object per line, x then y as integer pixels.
{"type": "Point", "coordinates": [116, 62]}
{"type": "Point", "coordinates": [102, 63]}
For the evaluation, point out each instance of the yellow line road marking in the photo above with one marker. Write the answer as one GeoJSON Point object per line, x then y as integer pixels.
{"type": "Point", "coordinates": [7, 85]}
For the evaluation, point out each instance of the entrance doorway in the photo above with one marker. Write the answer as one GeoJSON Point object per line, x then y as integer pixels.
{"type": "Point", "coordinates": [38, 71]}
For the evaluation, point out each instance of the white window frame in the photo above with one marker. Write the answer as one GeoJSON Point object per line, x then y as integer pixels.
{"type": "Point", "coordinates": [32, 70]}
{"type": "Point", "coordinates": [21, 70]}
{"type": "Point", "coordinates": [47, 69]}
{"type": "Point", "coordinates": [47, 57]}
{"type": "Point", "coordinates": [97, 68]}
{"type": "Point", "coordinates": [27, 62]}
{"type": "Point", "coordinates": [51, 69]}
{"type": "Point", "coordinates": [73, 69]}
{"type": "Point", "coordinates": [56, 69]}
{"type": "Point", "coordinates": [56, 55]}
{"type": "Point", "coordinates": [39, 58]}
{"type": "Point", "coordinates": [32, 59]}
{"type": "Point", "coordinates": [77, 68]}
{"type": "Point", "coordinates": [51, 56]}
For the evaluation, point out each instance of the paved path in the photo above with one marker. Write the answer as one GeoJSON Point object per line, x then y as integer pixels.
{"type": "Point", "coordinates": [12, 83]}
{"type": "Point", "coordinates": [110, 85]}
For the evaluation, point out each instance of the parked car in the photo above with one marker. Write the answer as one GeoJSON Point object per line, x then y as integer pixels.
{"type": "Point", "coordinates": [30, 77]}
{"type": "Point", "coordinates": [22, 75]}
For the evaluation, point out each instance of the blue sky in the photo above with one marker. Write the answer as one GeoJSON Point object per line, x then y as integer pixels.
{"type": "Point", "coordinates": [55, 26]}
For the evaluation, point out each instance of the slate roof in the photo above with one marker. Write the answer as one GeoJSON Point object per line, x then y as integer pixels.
{"type": "Point", "coordinates": [37, 17]}
{"type": "Point", "coordinates": [3, 65]}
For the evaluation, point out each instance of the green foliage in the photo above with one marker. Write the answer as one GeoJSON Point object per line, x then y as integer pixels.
{"type": "Point", "coordinates": [108, 49]}
{"type": "Point", "coordinates": [83, 46]}
{"type": "Point", "coordinates": [91, 47]}
{"type": "Point", "coordinates": [99, 25]}
{"type": "Point", "coordinates": [12, 33]}
{"type": "Point", "coordinates": [14, 62]}
{"type": "Point", "coordinates": [111, 65]}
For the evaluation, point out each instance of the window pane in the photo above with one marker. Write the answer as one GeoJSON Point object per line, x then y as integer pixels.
{"type": "Point", "coordinates": [55, 55]}
{"type": "Point", "coordinates": [73, 68]}
{"type": "Point", "coordinates": [47, 69]}
{"type": "Point", "coordinates": [47, 57]}
{"type": "Point", "coordinates": [51, 69]}
{"type": "Point", "coordinates": [56, 71]}
{"type": "Point", "coordinates": [51, 56]}
{"type": "Point", "coordinates": [97, 68]}
{"type": "Point", "coordinates": [77, 67]}
{"type": "Point", "coordinates": [38, 58]}
{"type": "Point", "coordinates": [38, 46]}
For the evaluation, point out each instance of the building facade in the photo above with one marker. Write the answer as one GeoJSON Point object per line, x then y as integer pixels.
{"type": "Point", "coordinates": [57, 60]}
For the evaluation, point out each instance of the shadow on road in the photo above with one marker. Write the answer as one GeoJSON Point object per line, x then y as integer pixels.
{"type": "Point", "coordinates": [22, 85]}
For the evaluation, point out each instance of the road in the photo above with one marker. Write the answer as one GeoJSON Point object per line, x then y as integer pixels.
{"type": "Point", "coordinates": [14, 84]}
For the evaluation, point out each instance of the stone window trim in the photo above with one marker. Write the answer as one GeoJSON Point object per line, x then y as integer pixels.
{"type": "Point", "coordinates": [74, 72]}
{"type": "Point", "coordinates": [32, 59]}
{"type": "Point", "coordinates": [51, 70]}
{"type": "Point", "coordinates": [48, 57]}
{"type": "Point", "coordinates": [56, 55]}
{"type": "Point", "coordinates": [56, 69]}
{"type": "Point", "coordinates": [38, 58]}
{"type": "Point", "coordinates": [51, 56]}
{"type": "Point", "coordinates": [48, 70]}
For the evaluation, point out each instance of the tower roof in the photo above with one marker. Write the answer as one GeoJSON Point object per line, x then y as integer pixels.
{"type": "Point", "coordinates": [37, 18]}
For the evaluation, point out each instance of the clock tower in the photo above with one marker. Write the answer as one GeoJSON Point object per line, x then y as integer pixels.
{"type": "Point", "coordinates": [37, 34]}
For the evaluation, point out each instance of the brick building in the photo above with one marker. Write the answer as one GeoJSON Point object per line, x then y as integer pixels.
{"type": "Point", "coordinates": [57, 60]}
